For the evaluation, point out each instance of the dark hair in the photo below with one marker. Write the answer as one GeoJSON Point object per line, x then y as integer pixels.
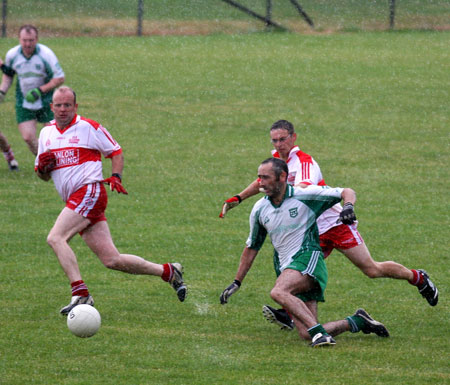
{"type": "Point", "coordinates": [283, 125]}
{"type": "Point", "coordinates": [28, 28]}
{"type": "Point", "coordinates": [278, 166]}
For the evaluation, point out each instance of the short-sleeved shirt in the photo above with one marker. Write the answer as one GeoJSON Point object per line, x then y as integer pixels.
{"type": "Point", "coordinates": [33, 72]}
{"type": "Point", "coordinates": [78, 149]}
{"type": "Point", "coordinates": [304, 169]}
{"type": "Point", "coordinates": [292, 225]}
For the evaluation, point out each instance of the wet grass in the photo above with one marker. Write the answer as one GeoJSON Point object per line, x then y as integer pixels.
{"type": "Point", "coordinates": [192, 114]}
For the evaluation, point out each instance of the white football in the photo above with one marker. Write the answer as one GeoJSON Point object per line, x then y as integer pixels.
{"type": "Point", "coordinates": [84, 320]}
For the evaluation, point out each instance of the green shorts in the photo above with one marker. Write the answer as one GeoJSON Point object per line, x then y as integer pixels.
{"type": "Point", "coordinates": [311, 263]}
{"type": "Point", "coordinates": [43, 115]}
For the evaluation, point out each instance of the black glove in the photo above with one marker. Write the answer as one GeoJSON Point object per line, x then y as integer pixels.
{"type": "Point", "coordinates": [347, 215]}
{"type": "Point", "coordinates": [229, 291]}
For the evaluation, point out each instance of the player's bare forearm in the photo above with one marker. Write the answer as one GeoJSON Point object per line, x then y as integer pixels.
{"type": "Point", "coordinates": [250, 190]}
{"type": "Point", "coordinates": [247, 258]}
{"type": "Point", "coordinates": [52, 84]}
{"type": "Point", "coordinates": [6, 83]}
{"type": "Point", "coordinates": [348, 196]}
{"type": "Point", "coordinates": [117, 163]}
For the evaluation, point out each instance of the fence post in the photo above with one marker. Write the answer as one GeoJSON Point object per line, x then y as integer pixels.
{"type": "Point", "coordinates": [391, 13]}
{"type": "Point", "coordinates": [4, 11]}
{"type": "Point", "coordinates": [140, 14]}
{"type": "Point", "coordinates": [268, 11]}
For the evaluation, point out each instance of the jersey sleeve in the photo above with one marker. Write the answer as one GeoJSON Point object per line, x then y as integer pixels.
{"type": "Point", "coordinates": [106, 143]}
{"type": "Point", "coordinates": [319, 198]}
{"type": "Point", "coordinates": [258, 232]}
{"type": "Point", "coordinates": [51, 61]}
{"type": "Point", "coordinates": [7, 67]}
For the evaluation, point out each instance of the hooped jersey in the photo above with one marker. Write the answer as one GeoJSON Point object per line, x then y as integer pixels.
{"type": "Point", "coordinates": [292, 225]}
{"type": "Point", "coordinates": [304, 169]}
{"type": "Point", "coordinates": [33, 72]}
{"type": "Point", "coordinates": [78, 149]}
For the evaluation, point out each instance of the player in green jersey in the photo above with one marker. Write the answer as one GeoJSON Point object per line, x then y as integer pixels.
{"type": "Point", "coordinates": [288, 215]}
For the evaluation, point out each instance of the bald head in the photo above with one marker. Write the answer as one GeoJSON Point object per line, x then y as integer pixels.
{"type": "Point", "coordinates": [65, 90]}
{"type": "Point", "coordinates": [64, 106]}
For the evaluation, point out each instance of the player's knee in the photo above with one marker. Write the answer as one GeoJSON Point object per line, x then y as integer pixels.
{"type": "Point", "coordinates": [373, 271]}
{"type": "Point", "coordinates": [276, 294]}
{"type": "Point", "coordinates": [52, 240]}
{"type": "Point", "coordinates": [112, 262]}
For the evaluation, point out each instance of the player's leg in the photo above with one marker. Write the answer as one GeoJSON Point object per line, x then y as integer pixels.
{"type": "Point", "coordinates": [361, 258]}
{"type": "Point", "coordinates": [98, 238]}
{"type": "Point", "coordinates": [28, 131]}
{"type": "Point", "coordinates": [293, 281]}
{"type": "Point", "coordinates": [66, 226]}
{"type": "Point", "coordinates": [8, 153]}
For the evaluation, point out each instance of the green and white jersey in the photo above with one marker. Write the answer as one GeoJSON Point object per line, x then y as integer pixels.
{"type": "Point", "coordinates": [33, 72]}
{"type": "Point", "coordinates": [291, 226]}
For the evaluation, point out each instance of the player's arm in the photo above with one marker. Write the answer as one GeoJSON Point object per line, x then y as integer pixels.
{"type": "Point", "coordinates": [347, 216]}
{"type": "Point", "coordinates": [51, 85]}
{"type": "Point", "coordinates": [249, 191]}
{"type": "Point", "coordinates": [36, 93]}
{"type": "Point", "coordinates": [4, 86]}
{"type": "Point", "coordinates": [247, 258]}
{"type": "Point", "coordinates": [115, 180]}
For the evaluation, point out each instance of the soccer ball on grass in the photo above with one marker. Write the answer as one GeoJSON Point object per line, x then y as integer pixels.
{"type": "Point", "coordinates": [84, 320]}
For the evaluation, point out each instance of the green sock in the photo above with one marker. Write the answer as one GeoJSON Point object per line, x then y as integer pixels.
{"type": "Point", "coordinates": [356, 323]}
{"type": "Point", "coordinates": [317, 329]}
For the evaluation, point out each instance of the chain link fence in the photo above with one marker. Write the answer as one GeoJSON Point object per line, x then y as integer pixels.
{"type": "Point", "coordinates": [187, 17]}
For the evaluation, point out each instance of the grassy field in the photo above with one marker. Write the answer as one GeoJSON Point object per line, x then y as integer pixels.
{"type": "Point", "coordinates": [182, 17]}
{"type": "Point", "coordinates": [192, 114]}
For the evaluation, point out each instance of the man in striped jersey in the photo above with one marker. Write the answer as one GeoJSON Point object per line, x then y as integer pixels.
{"type": "Point", "coordinates": [38, 74]}
{"type": "Point", "coordinates": [289, 216]}
{"type": "Point", "coordinates": [334, 234]}
{"type": "Point", "coordinates": [70, 152]}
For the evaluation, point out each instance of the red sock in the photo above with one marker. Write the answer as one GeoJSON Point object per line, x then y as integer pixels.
{"type": "Point", "coordinates": [417, 279]}
{"type": "Point", "coordinates": [167, 273]}
{"type": "Point", "coordinates": [79, 288]}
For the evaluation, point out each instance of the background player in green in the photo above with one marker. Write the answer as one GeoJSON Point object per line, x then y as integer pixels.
{"type": "Point", "coordinates": [289, 216]}
{"type": "Point", "coordinates": [38, 74]}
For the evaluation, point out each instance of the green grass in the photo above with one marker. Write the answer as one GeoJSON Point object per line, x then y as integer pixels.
{"type": "Point", "coordinates": [203, 16]}
{"type": "Point", "coordinates": [192, 114]}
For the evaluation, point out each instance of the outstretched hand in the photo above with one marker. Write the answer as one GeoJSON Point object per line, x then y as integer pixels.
{"type": "Point", "coordinates": [229, 291]}
{"type": "Point", "coordinates": [229, 204]}
{"type": "Point", "coordinates": [115, 184]}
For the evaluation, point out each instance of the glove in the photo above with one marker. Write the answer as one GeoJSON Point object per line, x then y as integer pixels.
{"type": "Point", "coordinates": [229, 204]}
{"type": "Point", "coordinates": [229, 291]}
{"type": "Point", "coordinates": [115, 183]}
{"type": "Point", "coordinates": [347, 215]}
{"type": "Point", "coordinates": [33, 95]}
{"type": "Point", "coordinates": [46, 162]}
{"type": "Point", "coordinates": [2, 96]}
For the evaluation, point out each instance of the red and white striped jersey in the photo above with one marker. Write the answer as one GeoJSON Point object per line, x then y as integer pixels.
{"type": "Point", "coordinates": [304, 169]}
{"type": "Point", "coordinates": [78, 149]}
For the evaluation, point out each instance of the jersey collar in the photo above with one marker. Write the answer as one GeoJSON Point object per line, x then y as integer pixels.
{"type": "Point", "coordinates": [288, 194]}
{"type": "Point", "coordinates": [75, 119]}
{"type": "Point", "coordinates": [293, 150]}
